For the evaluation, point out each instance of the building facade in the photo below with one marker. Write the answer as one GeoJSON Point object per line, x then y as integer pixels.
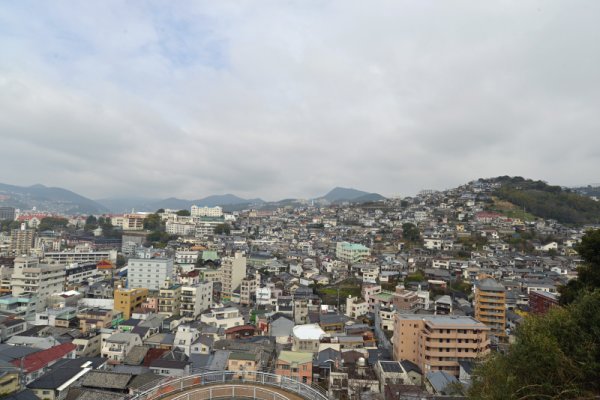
{"type": "Point", "coordinates": [490, 305]}
{"type": "Point", "coordinates": [439, 342]}
{"type": "Point", "coordinates": [127, 300]}
{"type": "Point", "coordinates": [149, 273]}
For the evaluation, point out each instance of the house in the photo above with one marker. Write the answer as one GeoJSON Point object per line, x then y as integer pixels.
{"type": "Point", "coordinates": [118, 345]}
{"type": "Point", "coordinates": [243, 362]}
{"type": "Point", "coordinates": [36, 364]}
{"type": "Point", "coordinates": [107, 381]}
{"type": "Point", "coordinates": [441, 383]}
{"type": "Point", "coordinates": [281, 328]}
{"type": "Point", "coordinates": [295, 365]}
{"type": "Point", "coordinates": [174, 363]}
{"type": "Point", "coordinates": [55, 383]}
{"type": "Point", "coordinates": [10, 327]}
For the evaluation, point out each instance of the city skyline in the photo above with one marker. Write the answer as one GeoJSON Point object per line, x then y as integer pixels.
{"type": "Point", "coordinates": [292, 99]}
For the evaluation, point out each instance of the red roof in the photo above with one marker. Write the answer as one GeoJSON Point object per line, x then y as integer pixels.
{"type": "Point", "coordinates": [153, 354]}
{"type": "Point", "coordinates": [239, 329]}
{"type": "Point", "coordinates": [39, 360]}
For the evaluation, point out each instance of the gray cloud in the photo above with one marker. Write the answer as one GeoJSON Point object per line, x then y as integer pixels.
{"type": "Point", "coordinates": [292, 98]}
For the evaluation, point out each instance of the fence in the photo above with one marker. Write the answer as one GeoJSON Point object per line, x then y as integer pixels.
{"type": "Point", "coordinates": [249, 379]}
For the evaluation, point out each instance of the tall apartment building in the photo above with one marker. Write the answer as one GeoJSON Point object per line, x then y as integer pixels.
{"type": "Point", "coordinates": [7, 213]}
{"type": "Point", "coordinates": [248, 289]}
{"type": "Point", "coordinates": [149, 273]}
{"type": "Point", "coordinates": [169, 299]}
{"type": "Point", "coordinates": [41, 280]}
{"type": "Point", "coordinates": [21, 241]}
{"type": "Point", "coordinates": [233, 270]}
{"type": "Point", "coordinates": [127, 300]}
{"type": "Point", "coordinates": [351, 252]}
{"type": "Point", "coordinates": [206, 211]}
{"type": "Point", "coordinates": [439, 342]}
{"type": "Point", "coordinates": [490, 305]}
{"type": "Point", "coordinates": [195, 299]}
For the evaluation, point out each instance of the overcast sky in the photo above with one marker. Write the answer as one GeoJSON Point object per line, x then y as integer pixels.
{"type": "Point", "coordinates": [279, 98]}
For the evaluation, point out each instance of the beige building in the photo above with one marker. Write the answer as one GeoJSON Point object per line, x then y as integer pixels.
{"type": "Point", "coordinates": [169, 299]}
{"type": "Point", "coordinates": [439, 342]}
{"type": "Point", "coordinates": [41, 280]}
{"type": "Point", "coordinates": [233, 270]}
{"type": "Point", "coordinates": [21, 241]}
{"type": "Point", "coordinates": [248, 289]}
{"type": "Point", "coordinates": [490, 305]}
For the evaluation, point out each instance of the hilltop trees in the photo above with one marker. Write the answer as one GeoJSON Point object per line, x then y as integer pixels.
{"type": "Point", "coordinates": [588, 273]}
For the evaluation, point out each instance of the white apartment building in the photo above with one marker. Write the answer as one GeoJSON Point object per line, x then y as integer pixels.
{"type": "Point", "coordinates": [42, 280]}
{"type": "Point", "coordinates": [233, 270]}
{"type": "Point", "coordinates": [180, 228]}
{"type": "Point", "coordinates": [206, 211]}
{"type": "Point", "coordinates": [225, 318]}
{"type": "Point", "coordinates": [195, 299]}
{"type": "Point", "coordinates": [80, 257]}
{"type": "Point", "coordinates": [186, 256]}
{"type": "Point", "coordinates": [149, 273]}
{"type": "Point", "coordinates": [352, 252]}
{"type": "Point", "coordinates": [248, 289]}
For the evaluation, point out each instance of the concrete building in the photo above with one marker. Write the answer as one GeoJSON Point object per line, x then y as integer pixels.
{"type": "Point", "coordinates": [438, 343]}
{"type": "Point", "coordinates": [540, 302]}
{"type": "Point", "coordinates": [41, 280]}
{"type": "Point", "coordinates": [7, 214]}
{"type": "Point", "coordinates": [352, 252]}
{"type": "Point", "coordinates": [80, 257]}
{"type": "Point", "coordinates": [206, 211]}
{"type": "Point", "coordinates": [226, 317]}
{"type": "Point", "coordinates": [149, 273]}
{"type": "Point", "coordinates": [490, 305]}
{"type": "Point", "coordinates": [233, 270]}
{"type": "Point", "coordinates": [306, 338]}
{"type": "Point", "coordinates": [248, 289]}
{"type": "Point", "coordinates": [21, 241]}
{"type": "Point", "coordinates": [356, 307]}
{"type": "Point", "coordinates": [127, 300]}
{"type": "Point", "coordinates": [169, 299]}
{"type": "Point", "coordinates": [195, 299]}
{"type": "Point", "coordinates": [118, 345]}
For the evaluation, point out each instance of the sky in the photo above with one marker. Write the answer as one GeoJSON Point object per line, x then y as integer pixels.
{"type": "Point", "coordinates": [279, 99]}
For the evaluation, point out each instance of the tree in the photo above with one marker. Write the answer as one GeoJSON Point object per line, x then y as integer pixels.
{"type": "Point", "coordinates": [153, 222]}
{"type": "Point", "coordinates": [410, 232]}
{"type": "Point", "coordinates": [121, 260]}
{"type": "Point", "coordinates": [588, 273]}
{"type": "Point", "coordinates": [51, 223]}
{"type": "Point", "coordinates": [183, 213]}
{"type": "Point", "coordinates": [555, 356]}
{"type": "Point", "coordinates": [222, 229]}
{"type": "Point", "coordinates": [91, 223]}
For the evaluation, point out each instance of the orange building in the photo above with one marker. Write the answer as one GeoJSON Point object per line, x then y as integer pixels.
{"type": "Point", "coordinates": [127, 300]}
{"type": "Point", "coordinates": [295, 365]}
{"type": "Point", "coordinates": [439, 342]}
{"type": "Point", "coordinates": [490, 305]}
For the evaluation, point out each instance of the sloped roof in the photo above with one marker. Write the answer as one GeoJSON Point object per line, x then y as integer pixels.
{"type": "Point", "coordinates": [39, 360]}
{"type": "Point", "coordinates": [106, 380]}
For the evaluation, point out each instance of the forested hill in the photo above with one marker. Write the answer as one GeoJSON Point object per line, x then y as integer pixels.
{"type": "Point", "coordinates": [547, 201]}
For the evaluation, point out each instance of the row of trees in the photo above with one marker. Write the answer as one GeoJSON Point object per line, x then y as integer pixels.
{"type": "Point", "coordinates": [557, 355]}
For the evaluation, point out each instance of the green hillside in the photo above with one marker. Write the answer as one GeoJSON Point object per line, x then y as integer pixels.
{"type": "Point", "coordinates": [547, 201]}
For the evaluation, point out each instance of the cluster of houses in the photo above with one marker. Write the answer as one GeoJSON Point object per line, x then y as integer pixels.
{"type": "Point", "coordinates": [339, 297]}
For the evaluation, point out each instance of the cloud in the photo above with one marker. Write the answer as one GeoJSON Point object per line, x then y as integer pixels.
{"type": "Point", "coordinates": [283, 99]}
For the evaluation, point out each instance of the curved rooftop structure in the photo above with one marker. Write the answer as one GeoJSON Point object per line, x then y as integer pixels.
{"type": "Point", "coordinates": [230, 385]}
{"type": "Point", "coordinates": [308, 332]}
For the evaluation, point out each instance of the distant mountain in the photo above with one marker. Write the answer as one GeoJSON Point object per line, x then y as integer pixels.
{"type": "Point", "coordinates": [50, 199]}
{"type": "Point", "coordinates": [228, 201]}
{"type": "Point", "coordinates": [339, 195]}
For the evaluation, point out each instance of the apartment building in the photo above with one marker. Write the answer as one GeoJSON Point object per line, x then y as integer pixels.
{"type": "Point", "coordinates": [80, 257]}
{"type": "Point", "coordinates": [195, 299]}
{"type": "Point", "coordinates": [169, 299]}
{"type": "Point", "coordinates": [295, 365]}
{"type": "Point", "coordinates": [248, 289]}
{"type": "Point", "coordinates": [149, 273]}
{"type": "Point", "coordinates": [233, 270]}
{"type": "Point", "coordinates": [490, 305]}
{"type": "Point", "coordinates": [352, 252]}
{"type": "Point", "coordinates": [206, 211]}
{"type": "Point", "coordinates": [7, 213]}
{"type": "Point", "coordinates": [42, 280]}
{"type": "Point", "coordinates": [226, 317]}
{"type": "Point", "coordinates": [21, 241]}
{"type": "Point", "coordinates": [439, 342]}
{"type": "Point", "coordinates": [127, 300]}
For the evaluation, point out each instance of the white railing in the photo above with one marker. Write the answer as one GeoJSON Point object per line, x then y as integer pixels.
{"type": "Point", "coordinates": [219, 379]}
{"type": "Point", "coordinates": [232, 392]}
